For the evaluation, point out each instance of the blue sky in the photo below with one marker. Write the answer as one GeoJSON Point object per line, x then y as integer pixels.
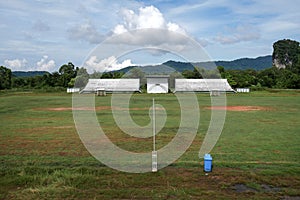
{"type": "Point", "coordinates": [45, 34]}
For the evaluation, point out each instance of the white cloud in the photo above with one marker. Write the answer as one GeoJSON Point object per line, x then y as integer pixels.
{"type": "Point", "coordinates": [107, 64]}
{"type": "Point", "coordinates": [147, 27]}
{"type": "Point", "coordinates": [119, 29]}
{"type": "Point", "coordinates": [239, 34]}
{"type": "Point", "coordinates": [86, 32]}
{"type": "Point", "coordinates": [16, 64]}
{"type": "Point", "coordinates": [175, 27]}
{"type": "Point", "coordinates": [45, 64]}
{"type": "Point", "coordinates": [147, 17]}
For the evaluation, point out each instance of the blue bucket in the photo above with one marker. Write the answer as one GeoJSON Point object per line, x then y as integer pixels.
{"type": "Point", "coordinates": [207, 163]}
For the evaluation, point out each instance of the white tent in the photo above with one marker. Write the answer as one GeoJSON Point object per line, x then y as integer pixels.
{"type": "Point", "coordinates": [202, 85]}
{"type": "Point", "coordinates": [157, 84]}
{"type": "Point", "coordinates": [112, 85]}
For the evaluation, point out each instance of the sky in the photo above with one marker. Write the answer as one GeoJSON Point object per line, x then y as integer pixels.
{"type": "Point", "coordinates": [45, 34]}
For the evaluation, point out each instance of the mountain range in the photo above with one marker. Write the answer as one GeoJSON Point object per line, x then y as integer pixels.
{"type": "Point", "coordinates": [28, 73]}
{"type": "Point", "coordinates": [170, 66]}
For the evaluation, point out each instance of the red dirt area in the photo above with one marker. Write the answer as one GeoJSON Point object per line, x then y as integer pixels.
{"type": "Point", "coordinates": [91, 108]}
{"type": "Point", "coordinates": [238, 108]}
{"type": "Point", "coordinates": [75, 108]}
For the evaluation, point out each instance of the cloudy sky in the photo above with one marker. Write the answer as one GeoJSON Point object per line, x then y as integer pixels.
{"type": "Point", "coordinates": [45, 34]}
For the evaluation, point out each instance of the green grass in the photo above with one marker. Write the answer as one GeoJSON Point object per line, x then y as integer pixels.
{"type": "Point", "coordinates": [42, 157]}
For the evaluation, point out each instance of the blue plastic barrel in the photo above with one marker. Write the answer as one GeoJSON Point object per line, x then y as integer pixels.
{"type": "Point", "coordinates": [207, 163]}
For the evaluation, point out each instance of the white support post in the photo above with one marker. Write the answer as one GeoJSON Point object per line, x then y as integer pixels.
{"type": "Point", "coordinates": [154, 152]}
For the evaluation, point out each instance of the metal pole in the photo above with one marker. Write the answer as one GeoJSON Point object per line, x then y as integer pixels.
{"type": "Point", "coordinates": [153, 117]}
{"type": "Point", "coordinates": [154, 153]}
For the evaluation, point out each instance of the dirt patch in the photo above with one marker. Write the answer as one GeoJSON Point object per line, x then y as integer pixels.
{"type": "Point", "coordinates": [270, 188]}
{"type": "Point", "coordinates": [243, 188]}
{"type": "Point", "coordinates": [259, 188]}
{"type": "Point", "coordinates": [65, 108]}
{"type": "Point", "coordinates": [98, 108]}
{"type": "Point", "coordinates": [238, 108]}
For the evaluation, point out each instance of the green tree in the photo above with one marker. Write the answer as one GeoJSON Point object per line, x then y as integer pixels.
{"type": "Point", "coordinates": [136, 73]}
{"type": "Point", "coordinates": [56, 80]}
{"type": "Point", "coordinates": [173, 76]}
{"type": "Point", "coordinates": [221, 69]}
{"type": "Point", "coordinates": [82, 78]}
{"type": "Point", "coordinates": [107, 75]}
{"type": "Point", "coordinates": [268, 77]}
{"type": "Point", "coordinates": [18, 82]}
{"type": "Point", "coordinates": [67, 72]}
{"type": "Point", "coordinates": [197, 73]}
{"type": "Point", "coordinates": [5, 78]}
{"type": "Point", "coordinates": [230, 79]}
{"type": "Point", "coordinates": [112, 75]}
{"type": "Point", "coordinates": [188, 74]}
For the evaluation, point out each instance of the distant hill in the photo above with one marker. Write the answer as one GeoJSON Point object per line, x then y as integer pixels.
{"type": "Point", "coordinates": [153, 69]}
{"type": "Point", "coordinates": [29, 73]}
{"type": "Point", "coordinates": [259, 63]}
{"type": "Point", "coordinates": [170, 66]}
{"type": "Point", "coordinates": [286, 53]}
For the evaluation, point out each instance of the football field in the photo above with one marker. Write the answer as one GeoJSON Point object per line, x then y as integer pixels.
{"type": "Point", "coordinates": [256, 157]}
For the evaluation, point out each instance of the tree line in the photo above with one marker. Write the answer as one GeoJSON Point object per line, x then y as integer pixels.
{"type": "Point", "coordinates": [62, 79]}
{"type": "Point", "coordinates": [285, 73]}
{"type": "Point", "coordinates": [70, 76]}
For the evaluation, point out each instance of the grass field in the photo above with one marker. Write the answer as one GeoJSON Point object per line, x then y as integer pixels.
{"type": "Point", "coordinates": [256, 157]}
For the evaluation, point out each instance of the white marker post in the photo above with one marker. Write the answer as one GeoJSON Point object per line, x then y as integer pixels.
{"type": "Point", "coordinates": [154, 152]}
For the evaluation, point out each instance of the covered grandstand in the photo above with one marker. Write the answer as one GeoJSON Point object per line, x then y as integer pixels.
{"type": "Point", "coordinates": [112, 85]}
{"type": "Point", "coordinates": [202, 85]}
